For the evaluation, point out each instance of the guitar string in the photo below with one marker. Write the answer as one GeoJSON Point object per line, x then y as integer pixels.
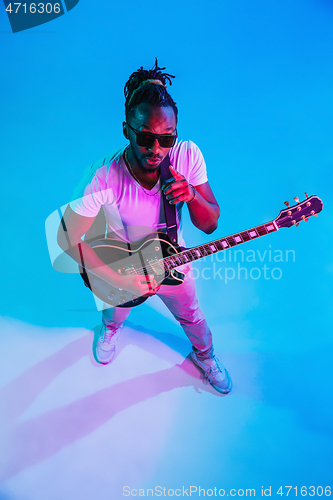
{"type": "Point", "coordinates": [206, 247]}
{"type": "Point", "coordinates": [244, 235]}
{"type": "Point", "coordinates": [173, 259]}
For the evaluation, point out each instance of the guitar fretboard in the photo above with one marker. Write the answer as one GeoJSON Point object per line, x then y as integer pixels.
{"type": "Point", "coordinates": [202, 251]}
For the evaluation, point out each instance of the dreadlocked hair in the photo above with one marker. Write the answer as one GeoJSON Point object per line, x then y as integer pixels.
{"type": "Point", "coordinates": [151, 93]}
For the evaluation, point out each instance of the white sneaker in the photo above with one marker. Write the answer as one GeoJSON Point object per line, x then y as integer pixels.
{"type": "Point", "coordinates": [214, 372]}
{"type": "Point", "coordinates": [106, 345]}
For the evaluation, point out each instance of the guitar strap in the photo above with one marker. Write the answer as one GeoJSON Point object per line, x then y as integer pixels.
{"type": "Point", "coordinates": [169, 209]}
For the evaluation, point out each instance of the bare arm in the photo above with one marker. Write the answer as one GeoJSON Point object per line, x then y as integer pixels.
{"type": "Point", "coordinates": [204, 209]}
{"type": "Point", "coordinates": [73, 226]}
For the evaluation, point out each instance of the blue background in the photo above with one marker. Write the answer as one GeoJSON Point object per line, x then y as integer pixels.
{"type": "Point", "coordinates": [254, 90]}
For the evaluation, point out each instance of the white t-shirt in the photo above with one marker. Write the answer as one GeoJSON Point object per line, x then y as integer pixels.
{"type": "Point", "coordinates": [131, 212]}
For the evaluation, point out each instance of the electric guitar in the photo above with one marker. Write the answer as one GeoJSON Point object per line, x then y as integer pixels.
{"type": "Point", "coordinates": [157, 255]}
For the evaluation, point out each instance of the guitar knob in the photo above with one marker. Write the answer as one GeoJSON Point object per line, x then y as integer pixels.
{"type": "Point", "coordinates": [287, 204]}
{"type": "Point", "coordinates": [296, 199]}
{"type": "Point", "coordinates": [111, 295]}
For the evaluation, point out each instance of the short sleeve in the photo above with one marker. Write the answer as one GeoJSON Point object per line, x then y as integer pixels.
{"type": "Point", "coordinates": [198, 172]}
{"type": "Point", "coordinates": [187, 159]}
{"type": "Point", "coordinates": [92, 193]}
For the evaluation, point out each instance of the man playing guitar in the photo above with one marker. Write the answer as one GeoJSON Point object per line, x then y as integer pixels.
{"type": "Point", "coordinates": [127, 188]}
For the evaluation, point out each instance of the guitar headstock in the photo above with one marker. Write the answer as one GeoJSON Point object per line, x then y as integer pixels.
{"type": "Point", "coordinates": [312, 205]}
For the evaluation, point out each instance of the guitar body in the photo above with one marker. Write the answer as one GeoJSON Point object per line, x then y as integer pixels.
{"type": "Point", "coordinates": [143, 257]}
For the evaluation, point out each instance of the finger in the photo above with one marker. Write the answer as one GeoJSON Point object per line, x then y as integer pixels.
{"type": "Point", "coordinates": [178, 199]}
{"type": "Point", "coordinates": [153, 291]}
{"type": "Point", "coordinates": [177, 196]}
{"type": "Point", "coordinates": [150, 288]}
{"type": "Point", "coordinates": [168, 186]}
{"type": "Point", "coordinates": [144, 278]}
{"type": "Point", "coordinates": [168, 182]}
{"type": "Point", "coordinates": [177, 191]}
{"type": "Point", "coordinates": [146, 291]}
{"type": "Point", "coordinates": [176, 175]}
{"type": "Point", "coordinates": [149, 282]}
{"type": "Point", "coordinates": [153, 287]}
{"type": "Point", "coordinates": [176, 185]}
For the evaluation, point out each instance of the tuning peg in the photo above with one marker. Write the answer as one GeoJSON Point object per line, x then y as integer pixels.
{"type": "Point", "coordinates": [316, 215]}
{"type": "Point", "coordinates": [296, 199]}
{"type": "Point", "coordinates": [305, 218]}
{"type": "Point", "coordinates": [306, 194]}
{"type": "Point", "coordinates": [287, 204]}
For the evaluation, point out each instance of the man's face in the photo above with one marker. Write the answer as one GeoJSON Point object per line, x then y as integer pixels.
{"type": "Point", "coordinates": [145, 118]}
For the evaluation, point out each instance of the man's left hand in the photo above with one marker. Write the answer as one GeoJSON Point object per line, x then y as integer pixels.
{"type": "Point", "coordinates": [177, 188]}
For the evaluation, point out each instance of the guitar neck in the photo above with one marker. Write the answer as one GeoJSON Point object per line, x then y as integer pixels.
{"type": "Point", "coordinates": [201, 251]}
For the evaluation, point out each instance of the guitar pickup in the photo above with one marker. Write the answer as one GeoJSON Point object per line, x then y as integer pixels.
{"type": "Point", "coordinates": [156, 266]}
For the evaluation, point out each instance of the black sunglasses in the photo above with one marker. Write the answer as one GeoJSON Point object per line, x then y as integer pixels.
{"type": "Point", "coordinates": [147, 140]}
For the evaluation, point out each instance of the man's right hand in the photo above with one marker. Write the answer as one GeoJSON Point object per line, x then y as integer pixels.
{"type": "Point", "coordinates": [69, 239]}
{"type": "Point", "coordinates": [139, 284]}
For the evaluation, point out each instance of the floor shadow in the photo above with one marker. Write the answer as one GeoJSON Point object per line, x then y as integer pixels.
{"type": "Point", "coordinates": [288, 381]}
{"type": "Point", "coordinates": [21, 392]}
{"type": "Point", "coordinates": [38, 438]}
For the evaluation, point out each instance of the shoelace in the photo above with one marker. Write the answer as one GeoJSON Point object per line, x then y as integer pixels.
{"type": "Point", "coordinates": [212, 370]}
{"type": "Point", "coordinates": [108, 337]}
